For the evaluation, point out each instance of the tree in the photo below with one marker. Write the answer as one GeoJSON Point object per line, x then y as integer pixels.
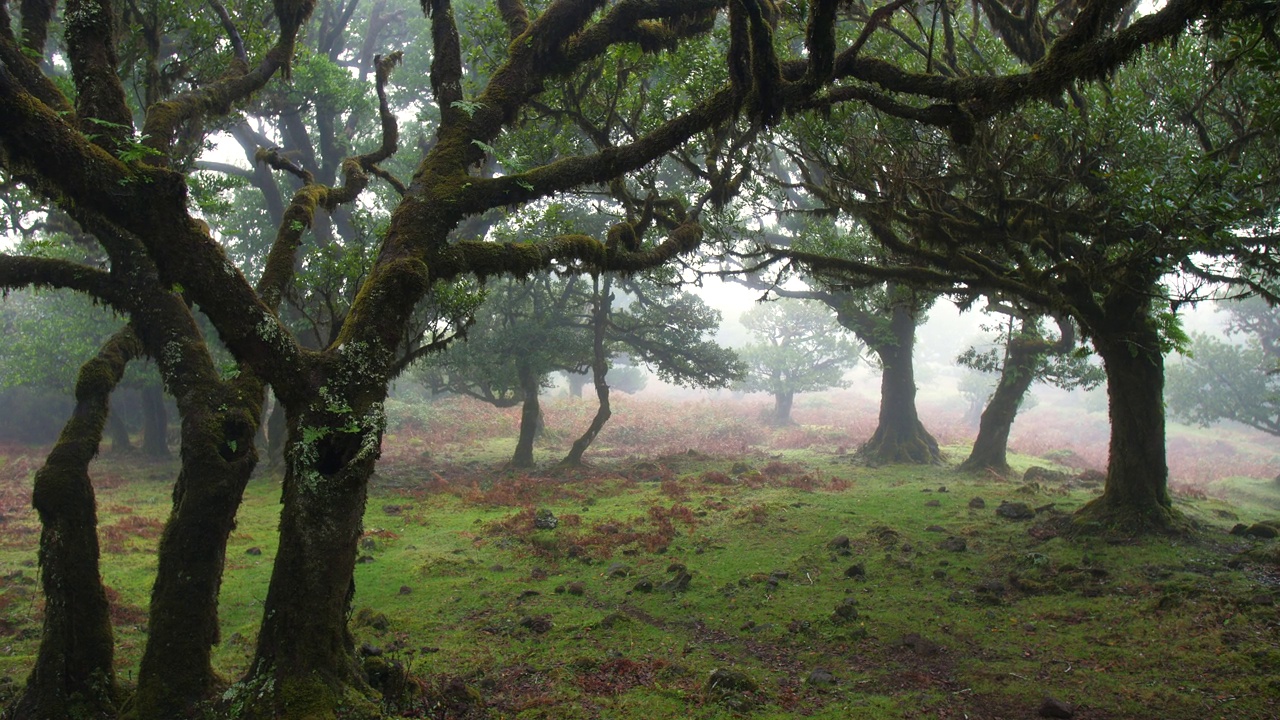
{"type": "Point", "coordinates": [1089, 211]}
{"type": "Point", "coordinates": [1029, 355]}
{"type": "Point", "coordinates": [1219, 380]}
{"type": "Point", "coordinates": [799, 348]}
{"type": "Point", "coordinates": [123, 174]}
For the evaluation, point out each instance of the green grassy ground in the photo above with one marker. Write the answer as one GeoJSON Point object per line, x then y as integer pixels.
{"type": "Point", "coordinates": [838, 590]}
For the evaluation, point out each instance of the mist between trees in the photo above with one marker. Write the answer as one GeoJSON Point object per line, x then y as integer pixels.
{"type": "Point", "coordinates": [420, 181]}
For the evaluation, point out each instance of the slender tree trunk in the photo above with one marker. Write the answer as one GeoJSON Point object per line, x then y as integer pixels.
{"type": "Point", "coordinates": [1136, 495]}
{"type": "Point", "coordinates": [305, 665]}
{"type": "Point", "coordinates": [74, 676]}
{"type": "Point", "coordinates": [900, 437]}
{"type": "Point", "coordinates": [530, 418]}
{"type": "Point", "coordinates": [599, 369]}
{"type": "Point", "coordinates": [118, 431]}
{"type": "Point", "coordinates": [176, 671]}
{"type": "Point", "coordinates": [782, 401]}
{"type": "Point", "coordinates": [990, 448]}
{"type": "Point", "coordinates": [155, 423]}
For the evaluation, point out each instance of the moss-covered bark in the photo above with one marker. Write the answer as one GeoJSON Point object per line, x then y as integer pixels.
{"type": "Point", "coordinates": [900, 437]}
{"type": "Point", "coordinates": [1136, 497]}
{"type": "Point", "coordinates": [599, 372]}
{"type": "Point", "coordinates": [530, 416]}
{"type": "Point", "coordinates": [990, 448]}
{"type": "Point", "coordinates": [74, 675]}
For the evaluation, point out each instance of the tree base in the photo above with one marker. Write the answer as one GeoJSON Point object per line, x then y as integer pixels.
{"type": "Point", "coordinates": [890, 450]}
{"type": "Point", "coordinates": [1104, 516]}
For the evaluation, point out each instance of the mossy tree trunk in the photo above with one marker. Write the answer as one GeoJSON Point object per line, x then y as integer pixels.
{"type": "Point", "coordinates": [218, 457]}
{"type": "Point", "coordinates": [599, 371]}
{"type": "Point", "coordinates": [900, 437]}
{"type": "Point", "coordinates": [305, 665]}
{"type": "Point", "coordinates": [74, 674]}
{"type": "Point", "coordinates": [155, 423]}
{"type": "Point", "coordinates": [990, 448]}
{"type": "Point", "coordinates": [1136, 495]}
{"type": "Point", "coordinates": [530, 416]}
{"type": "Point", "coordinates": [782, 402]}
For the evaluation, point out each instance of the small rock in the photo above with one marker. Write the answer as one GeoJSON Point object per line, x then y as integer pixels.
{"type": "Point", "coordinates": [544, 519]}
{"type": "Point", "coordinates": [726, 680]}
{"type": "Point", "coordinates": [537, 624]}
{"type": "Point", "coordinates": [679, 583]}
{"type": "Point", "coordinates": [856, 571]}
{"type": "Point", "coordinates": [1262, 530]}
{"type": "Point", "coordinates": [1053, 708]}
{"type": "Point", "coordinates": [820, 677]}
{"type": "Point", "coordinates": [1015, 511]}
{"type": "Point", "coordinates": [977, 503]}
{"type": "Point", "coordinates": [846, 611]}
{"type": "Point", "coordinates": [922, 646]}
{"type": "Point", "coordinates": [954, 544]}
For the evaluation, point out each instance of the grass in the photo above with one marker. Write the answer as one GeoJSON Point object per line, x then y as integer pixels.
{"type": "Point", "coordinates": [955, 612]}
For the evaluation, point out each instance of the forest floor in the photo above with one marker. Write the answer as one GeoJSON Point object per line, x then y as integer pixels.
{"type": "Point", "coordinates": [706, 566]}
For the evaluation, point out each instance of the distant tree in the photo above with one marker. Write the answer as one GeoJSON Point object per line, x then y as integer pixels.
{"type": "Point", "coordinates": [1027, 354]}
{"type": "Point", "coordinates": [799, 348]}
{"type": "Point", "coordinates": [1218, 380]}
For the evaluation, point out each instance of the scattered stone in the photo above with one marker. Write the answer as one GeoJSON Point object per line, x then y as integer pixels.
{"type": "Point", "coordinates": [679, 583]}
{"type": "Point", "coordinates": [726, 680]}
{"type": "Point", "coordinates": [406, 590]}
{"type": "Point", "coordinates": [839, 542]}
{"type": "Point", "coordinates": [846, 611]}
{"type": "Point", "coordinates": [856, 571]}
{"type": "Point", "coordinates": [922, 646]}
{"type": "Point", "coordinates": [254, 551]}
{"type": "Point", "coordinates": [537, 624]}
{"type": "Point", "coordinates": [368, 617]}
{"type": "Point", "coordinates": [1053, 708]}
{"type": "Point", "coordinates": [644, 586]}
{"type": "Point", "coordinates": [544, 519]}
{"type": "Point", "coordinates": [933, 503]}
{"type": "Point", "coordinates": [618, 570]}
{"type": "Point", "coordinates": [1015, 511]}
{"type": "Point", "coordinates": [820, 677]}
{"type": "Point", "coordinates": [977, 503]}
{"type": "Point", "coordinates": [576, 588]}
{"type": "Point", "coordinates": [612, 619]}
{"type": "Point", "coordinates": [1091, 478]}
{"type": "Point", "coordinates": [954, 544]}
{"type": "Point", "coordinates": [935, 528]}
{"type": "Point", "coordinates": [1262, 530]}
